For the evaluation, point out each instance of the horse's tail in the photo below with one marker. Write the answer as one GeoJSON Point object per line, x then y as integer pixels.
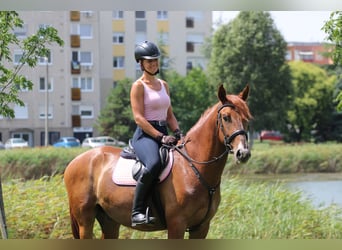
{"type": "Point", "coordinates": [74, 226]}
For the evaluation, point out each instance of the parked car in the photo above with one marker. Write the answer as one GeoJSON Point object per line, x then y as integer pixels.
{"type": "Point", "coordinates": [110, 141]}
{"type": "Point", "coordinates": [92, 142]}
{"type": "Point", "coordinates": [271, 135]}
{"type": "Point", "coordinates": [2, 146]}
{"type": "Point", "coordinates": [16, 143]}
{"type": "Point", "coordinates": [67, 142]}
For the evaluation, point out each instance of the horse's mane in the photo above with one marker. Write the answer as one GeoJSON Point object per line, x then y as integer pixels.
{"type": "Point", "coordinates": [241, 108]}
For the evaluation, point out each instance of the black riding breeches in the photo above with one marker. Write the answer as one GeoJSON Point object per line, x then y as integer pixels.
{"type": "Point", "coordinates": [147, 150]}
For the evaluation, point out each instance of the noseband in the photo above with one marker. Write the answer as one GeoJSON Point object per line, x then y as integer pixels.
{"type": "Point", "coordinates": [228, 139]}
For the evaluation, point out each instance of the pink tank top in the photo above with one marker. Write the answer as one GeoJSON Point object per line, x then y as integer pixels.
{"type": "Point", "coordinates": [156, 103]}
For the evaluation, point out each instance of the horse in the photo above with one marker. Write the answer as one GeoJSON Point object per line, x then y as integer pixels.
{"type": "Point", "coordinates": [189, 196]}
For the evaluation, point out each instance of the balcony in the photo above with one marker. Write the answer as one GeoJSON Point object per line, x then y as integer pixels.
{"type": "Point", "coordinates": [75, 121]}
{"type": "Point", "coordinates": [75, 67]}
{"type": "Point", "coordinates": [75, 94]}
{"type": "Point", "coordinates": [75, 16]}
{"type": "Point", "coordinates": [75, 41]}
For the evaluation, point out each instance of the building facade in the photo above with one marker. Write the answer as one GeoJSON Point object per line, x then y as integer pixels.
{"type": "Point", "coordinates": [71, 85]}
{"type": "Point", "coordinates": [308, 52]}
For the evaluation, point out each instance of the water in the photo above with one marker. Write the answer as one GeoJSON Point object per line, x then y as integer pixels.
{"type": "Point", "coordinates": [321, 193]}
{"type": "Point", "coordinates": [322, 189]}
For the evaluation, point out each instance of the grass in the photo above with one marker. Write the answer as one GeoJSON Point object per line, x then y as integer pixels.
{"type": "Point", "coordinates": [38, 209]}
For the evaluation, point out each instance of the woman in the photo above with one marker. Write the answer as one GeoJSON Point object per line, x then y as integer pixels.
{"type": "Point", "coordinates": [152, 112]}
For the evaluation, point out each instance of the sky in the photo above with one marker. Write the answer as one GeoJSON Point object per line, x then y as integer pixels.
{"type": "Point", "coordinates": [295, 26]}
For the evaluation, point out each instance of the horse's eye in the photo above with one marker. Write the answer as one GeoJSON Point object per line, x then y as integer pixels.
{"type": "Point", "coordinates": [227, 118]}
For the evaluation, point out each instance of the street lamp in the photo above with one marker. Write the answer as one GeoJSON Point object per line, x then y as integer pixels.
{"type": "Point", "coordinates": [46, 102]}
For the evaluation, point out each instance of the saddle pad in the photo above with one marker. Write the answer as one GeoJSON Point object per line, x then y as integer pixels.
{"type": "Point", "coordinates": [122, 171]}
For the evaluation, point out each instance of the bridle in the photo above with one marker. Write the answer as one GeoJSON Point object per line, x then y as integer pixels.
{"type": "Point", "coordinates": [229, 139]}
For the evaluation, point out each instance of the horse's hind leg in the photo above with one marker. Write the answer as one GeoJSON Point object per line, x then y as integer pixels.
{"type": "Point", "coordinates": [200, 232]}
{"type": "Point", "coordinates": [109, 228]}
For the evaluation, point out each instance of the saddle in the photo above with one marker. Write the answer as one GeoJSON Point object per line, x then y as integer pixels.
{"type": "Point", "coordinates": [129, 166]}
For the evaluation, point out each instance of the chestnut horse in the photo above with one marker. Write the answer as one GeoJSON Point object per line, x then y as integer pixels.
{"type": "Point", "coordinates": [189, 196]}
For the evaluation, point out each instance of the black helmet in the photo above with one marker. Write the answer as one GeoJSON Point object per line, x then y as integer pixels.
{"type": "Point", "coordinates": [146, 50]}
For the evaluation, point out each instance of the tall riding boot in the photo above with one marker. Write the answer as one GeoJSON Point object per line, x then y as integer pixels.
{"type": "Point", "coordinates": [143, 187]}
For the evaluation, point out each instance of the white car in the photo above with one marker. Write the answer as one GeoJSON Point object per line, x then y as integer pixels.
{"type": "Point", "coordinates": [91, 142]}
{"type": "Point", "coordinates": [109, 141]}
{"type": "Point", "coordinates": [16, 143]}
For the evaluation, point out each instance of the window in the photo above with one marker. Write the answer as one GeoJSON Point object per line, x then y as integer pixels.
{"type": "Point", "coordinates": [42, 60]}
{"type": "Point", "coordinates": [162, 15]}
{"type": "Point", "coordinates": [42, 84]}
{"type": "Point", "coordinates": [86, 58]}
{"type": "Point", "coordinates": [118, 14]}
{"type": "Point", "coordinates": [118, 38]}
{"type": "Point", "coordinates": [190, 23]}
{"type": "Point", "coordinates": [43, 26]}
{"type": "Point", "coordinates": [21, 32]}
{"type": "Point", "coordinates": [190, 47]}
{"type": "Point", "coordinates": [75, 110]}
{"type": "Point", "coordinates": [118, 62]}
{"type": "Point", "coordinates": [306, 56]}
{"type": "Point", "coordinates": [17, 55]}
{"type": "Point", "coordinates": [86, 111]}
{"type": "Point", "coordinates": [140, 14]}
{"type": "Point", "coordinates": [195, 38]}
{"type": "Point", "coordinates": [86, 31]}
{"type": "Point", "coordinates": [84, 83]}
{"type": "Point", "coordinates": [140, 26]}
{"type": "Point", "coordinates": [21, 112]}
{"type": "Point", "coordinates": [42, 112]}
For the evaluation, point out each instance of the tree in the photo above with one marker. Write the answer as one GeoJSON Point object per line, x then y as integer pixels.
{"type": "Point", "coordinates": [191, 96]}
{"type": "Point", "coordinates": [333, 28]}
{"type": "Point", "coordinates": [312, 107]}
{"type": "Point", "coordinates": [251, 50]}
{"type": "Point", "coordinates": [116, 117]}
{"type": "Point", "coordinates": [33, 47]}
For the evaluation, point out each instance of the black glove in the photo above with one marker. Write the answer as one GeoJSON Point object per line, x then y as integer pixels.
{"type": "Point", "coordinates": [178, 134]}
{"type": "Point", "coordinates": [169, 140]}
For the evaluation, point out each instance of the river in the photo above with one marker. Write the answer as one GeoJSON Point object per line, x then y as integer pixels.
{"type": "Point", "coordinates": [323, 189]}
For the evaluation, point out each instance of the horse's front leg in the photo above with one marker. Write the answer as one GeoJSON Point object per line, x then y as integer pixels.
{"type": "Point", "coordinates": [175, 228]}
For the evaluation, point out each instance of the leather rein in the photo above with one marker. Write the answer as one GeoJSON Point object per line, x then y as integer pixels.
{"type": "Point", "coordinates": [228, 149]}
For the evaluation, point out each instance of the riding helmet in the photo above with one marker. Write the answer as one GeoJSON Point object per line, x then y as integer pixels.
{"type": "Point", "coordinates": [146, 50]}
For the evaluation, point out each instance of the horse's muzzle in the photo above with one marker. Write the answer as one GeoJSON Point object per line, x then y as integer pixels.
{"type": "Point", "coordinates": [243, 155]}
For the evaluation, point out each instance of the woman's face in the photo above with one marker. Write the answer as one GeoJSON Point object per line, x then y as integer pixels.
{"type": "Point", "coordinates": [151, 65]}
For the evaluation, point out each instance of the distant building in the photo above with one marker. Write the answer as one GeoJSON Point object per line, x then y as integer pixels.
{"type": "Point", "coordinates": [308, 52]}
{"type": "Point", "coordinates": [98, 52]}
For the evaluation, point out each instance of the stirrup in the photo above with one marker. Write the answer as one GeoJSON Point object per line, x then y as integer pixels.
{"type": "Point", "coordinates": [148, 219]}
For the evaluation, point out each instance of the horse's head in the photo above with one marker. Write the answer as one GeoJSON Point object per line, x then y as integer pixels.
{"type": "Point", "coordinates": [232, 117]}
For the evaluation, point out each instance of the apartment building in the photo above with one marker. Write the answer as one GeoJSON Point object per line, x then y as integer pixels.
{"type": "Point", "coordinates": [71, 85]}
{"type": "Point", "coordinates": [308, 52]}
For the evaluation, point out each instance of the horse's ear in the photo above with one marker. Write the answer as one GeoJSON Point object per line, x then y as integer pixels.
{"type": "Point", "coordinates": [244, 93]}
{"type": "Point", "coordinates": [222, 95]}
